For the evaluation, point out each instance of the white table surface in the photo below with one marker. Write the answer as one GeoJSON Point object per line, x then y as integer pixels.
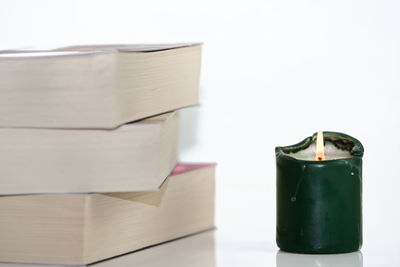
{"type": "Point", "coordinates": [212, 249]}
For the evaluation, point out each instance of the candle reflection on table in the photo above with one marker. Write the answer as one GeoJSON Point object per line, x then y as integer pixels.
{"type": "Point", "coordinates": [285, 259]}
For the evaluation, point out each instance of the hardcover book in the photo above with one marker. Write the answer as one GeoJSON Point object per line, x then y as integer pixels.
{"type": "Point", "coordinates": [101, 86]}
{"type": "Point", "coordinates": [85, 228]}
{"type": "Point", "coordinates": [196, 250]}
{"type": "Point", "coordinates": [133, 157]}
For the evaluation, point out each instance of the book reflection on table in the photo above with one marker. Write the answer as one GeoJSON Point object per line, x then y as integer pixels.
{"type": "Point", "coordinates": [196, 250]}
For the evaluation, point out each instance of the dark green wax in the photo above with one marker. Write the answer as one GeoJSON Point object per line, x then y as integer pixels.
{"type": "Point", "coordinates": [319, 202]}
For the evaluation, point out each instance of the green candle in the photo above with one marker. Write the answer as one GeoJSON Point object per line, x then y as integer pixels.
{"type": "Point", "coordinates": [319, 195]}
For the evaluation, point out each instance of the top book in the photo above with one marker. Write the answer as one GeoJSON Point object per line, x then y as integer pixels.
{"type": "Point", "coordinates": [98, 86]}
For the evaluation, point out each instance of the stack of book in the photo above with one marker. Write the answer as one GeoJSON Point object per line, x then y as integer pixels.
{"type": "Point", "coordinates": [88, 152]}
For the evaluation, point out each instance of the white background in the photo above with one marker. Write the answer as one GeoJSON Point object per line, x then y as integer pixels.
{"type": "Point", "coordinates": [274, 72]}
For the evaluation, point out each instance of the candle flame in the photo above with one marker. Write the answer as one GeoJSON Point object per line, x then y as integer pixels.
{"type": "Point", "coordinates": [319, 148]}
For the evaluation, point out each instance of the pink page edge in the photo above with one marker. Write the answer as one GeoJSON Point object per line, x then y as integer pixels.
{"type": "Point", "coordinates": [187, 167]}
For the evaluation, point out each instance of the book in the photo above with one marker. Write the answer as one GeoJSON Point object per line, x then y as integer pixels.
{"type": "Point", "coordinates": [133, 157]}
{"type": "Point", "coordinates": [101, 86]}
{"type": "Point", "coordinates": [196, 250]}
{"type": "Point", "coordinates": [85, 228]}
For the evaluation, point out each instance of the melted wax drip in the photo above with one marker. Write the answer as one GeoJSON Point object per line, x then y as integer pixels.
{"type": "Point", "coordinates": [294, 198]}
